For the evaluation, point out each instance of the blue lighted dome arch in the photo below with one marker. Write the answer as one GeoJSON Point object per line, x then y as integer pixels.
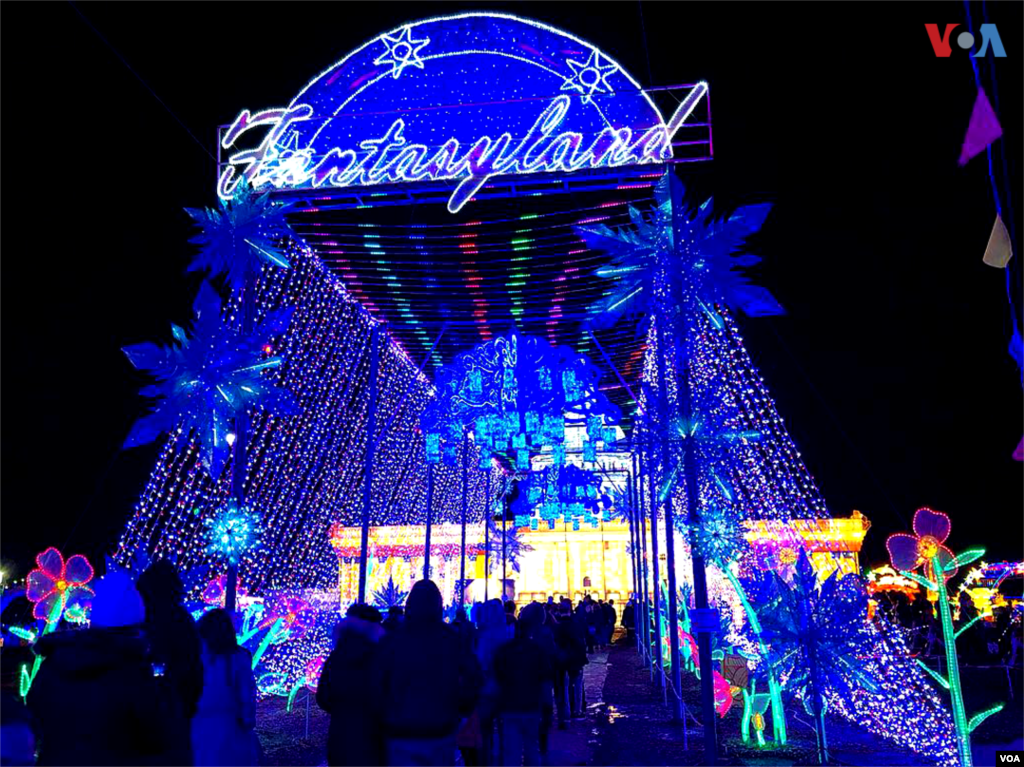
{"type": "Point", "coordinates": [462, 97]}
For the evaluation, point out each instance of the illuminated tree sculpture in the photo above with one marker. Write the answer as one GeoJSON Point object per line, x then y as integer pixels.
{"type": "Point", "coordinates": [240, 237]}
{"type": "Point", "coordinates": [813, 633]}
{"type": "Point", "coordinates": [668, 267]}
{"type": "Point", "coordinates": [925, 550]}
{"type": "Point", "coordinates": [206, 379]}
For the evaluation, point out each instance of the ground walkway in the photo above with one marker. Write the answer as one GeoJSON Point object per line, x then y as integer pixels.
{"type": "Point", "coordinates": [628, 723]}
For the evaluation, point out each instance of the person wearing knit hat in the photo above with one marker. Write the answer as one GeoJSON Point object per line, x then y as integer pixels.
{"type": "Point", "coordinates": [95, 697]}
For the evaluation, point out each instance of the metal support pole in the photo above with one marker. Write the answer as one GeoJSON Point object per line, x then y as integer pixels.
{"type": "Point", "coordinates": [241, 439]}
{"type": "Point", "coordinates": [430, 518]}
{"type": "Point", "coordinates": [655, 566]}
{"type": "Point", "coordinates": [634, 541]}
{"type": "Point", "coordinates": [465, 502]}
{"type": "Point", "coordinates": [644, 569]}
{"type": "Point", "coordinates": [487, 536]}
{"type": "Point", "coordinates": [670, 545]}
{"type": "Point", "coordinates": [504, 551]}
{"type": "Point", "coordinates": [371, 427]}
{"type": "Point", "coordinates": [700, 583]}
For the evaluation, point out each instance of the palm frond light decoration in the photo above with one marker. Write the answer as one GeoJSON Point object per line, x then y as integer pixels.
{"type": "Point", "coordinates": [814, 635]}
{"type": "Point", "coordinates": [389, 595]}
{"type": "Point", "coordinates": [232, 532]}
{"type": "Point", "coordinates": [509, 549]}
{"type": "Point", "coordinates": [206, 379]}
{"type": "Point", "coordinates": [678, 247]}
{"type": "Point", "coordinates": [240, 237]}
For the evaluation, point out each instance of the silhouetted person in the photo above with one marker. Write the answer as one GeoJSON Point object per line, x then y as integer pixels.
{"type": "Point", "coordinates": [175, 647]}
{"type": "Point", "coordinates": [570, 637]}
{"type": "Point", "coordinates": [17, 733]}
{"type": "Point", "coordinates": [394, 618]}
{"type": "Point", "coordinates": [425, 680]}
{"type": "Point", "coordinates": [354, 736]}
{"type": "Point", "coordinates": [95, 697]}
{"type": "Point", "coordinates": [522, 666]}
{"type": "Point", "coordinates": [222, 729]}
{"type": "Point", "coordinates": [629, 619]}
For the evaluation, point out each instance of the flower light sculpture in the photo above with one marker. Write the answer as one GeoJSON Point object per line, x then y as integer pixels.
{"type": "Point", "coordinates": [56, 588]}
{"type": "Point", "coordinates": [925, 550]}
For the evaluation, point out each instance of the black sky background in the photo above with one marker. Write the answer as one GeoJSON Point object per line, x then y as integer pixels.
{"type": "Point", "coordinates": [891, 368]}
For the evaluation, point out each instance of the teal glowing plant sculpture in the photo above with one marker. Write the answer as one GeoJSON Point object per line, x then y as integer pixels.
{"type": "Point", "coordinates": [389, 596]}
{"type": "Point", "coordinates": [925, 550]}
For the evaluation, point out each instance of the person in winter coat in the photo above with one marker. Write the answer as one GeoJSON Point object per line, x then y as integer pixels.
{"type": "Point", "coordinates": [95, 696]}
{"type": "Point", "coordinates": [629, 619]}
{"type": "Point", "coordinates": [222, 729]}
{"type": "Point", "coordinates": [493, 630]}
{"type": "Point", "coordinates": [424, 681]}
{"type": "Point", "coordinates": [522, 667]}
{"type": "Point", "coordinates": [570, 637]}
{"type": "Point", "coordinates": [354, 736]}
{"type": "Point", "coordinates": [175, 647]}
{"type": "Point", "coordinates": [17, 733]}
{"type": "Point", "coordinates": [610, 617]}
{"type": "Point", "coordinates": [543, 634]}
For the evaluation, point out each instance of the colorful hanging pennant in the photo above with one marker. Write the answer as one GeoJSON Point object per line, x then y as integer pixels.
{"type": "Point", "coordinates": [983, 129]}
{"type": "Point", "coordinates": [999, 250]}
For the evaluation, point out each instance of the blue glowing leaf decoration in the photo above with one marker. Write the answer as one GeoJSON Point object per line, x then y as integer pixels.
{"type": "Point", "coordinates": [237, 239]}
{"type": "Point", "coordinates": [204, 381]}
{"type": "Point", "coordinates": [389, 596]}
{"type": "Point", "coordinates": [678, 247]}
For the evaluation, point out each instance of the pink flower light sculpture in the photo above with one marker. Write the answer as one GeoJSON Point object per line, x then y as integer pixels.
{"type": "Point", "coordinates": [55, 586]}
{"type": "Point", "coordinates": [909, 552]}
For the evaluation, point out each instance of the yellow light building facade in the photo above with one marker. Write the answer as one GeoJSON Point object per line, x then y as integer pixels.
{"type": "Point", "coordinates": [556, 562]}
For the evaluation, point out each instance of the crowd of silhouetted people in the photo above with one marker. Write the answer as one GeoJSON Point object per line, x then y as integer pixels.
{"type": "Point", "coordinates": [992, 642]}
{"type": "Point", "coordinates": [146, 684]}
{"type": "Point", "coordinates": [485, 687]}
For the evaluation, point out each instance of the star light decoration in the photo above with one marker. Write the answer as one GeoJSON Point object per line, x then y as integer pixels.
{"type": "Point", "coordinates": [678, 250]}
{"type": "Point", "coordinates": [719, 536]}
{"type": "Point", "coordinates": [207, 379]}
{"type": "Point", "coordinates": [232, 532]}
{"type": "Point", "coordinates": [589, 77]}
{"type": "Point", "coordinates": [402, 51]}
{"type": "Point", "coordinates": [240, 237]}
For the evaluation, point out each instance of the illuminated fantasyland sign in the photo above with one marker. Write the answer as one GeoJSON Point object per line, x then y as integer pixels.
{"type": "Point", "coordinates": [459, 98]}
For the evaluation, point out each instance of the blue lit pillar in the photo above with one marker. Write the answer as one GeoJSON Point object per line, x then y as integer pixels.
{"type": "Point", "coordinates": [371, 428]}
{"type": "Point", "coordinates": [670, 545]}
{"type": "Point", "coordinates": [430, 517]}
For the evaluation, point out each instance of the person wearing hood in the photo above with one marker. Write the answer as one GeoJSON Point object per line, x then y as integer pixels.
{"type": "Point", "coordinates": [222, 729]}
{"type": "Point", "coordinates": [353, 737]}
{"type": "Point", "coordinates": [175, 646]}
{"type": "Point", "coordinates": [424, 682]}
{"type": "Point", "coordinates": [95, 697]}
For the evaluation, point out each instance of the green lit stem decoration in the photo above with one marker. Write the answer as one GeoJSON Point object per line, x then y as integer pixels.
{"type": "Point", "coordinates": [774, 688]}
{"type": "Point", "coordinates": [925, 550]}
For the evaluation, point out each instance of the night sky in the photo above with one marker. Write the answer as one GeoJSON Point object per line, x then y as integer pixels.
{"type": "Point", "coordinates": [891, 368]}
